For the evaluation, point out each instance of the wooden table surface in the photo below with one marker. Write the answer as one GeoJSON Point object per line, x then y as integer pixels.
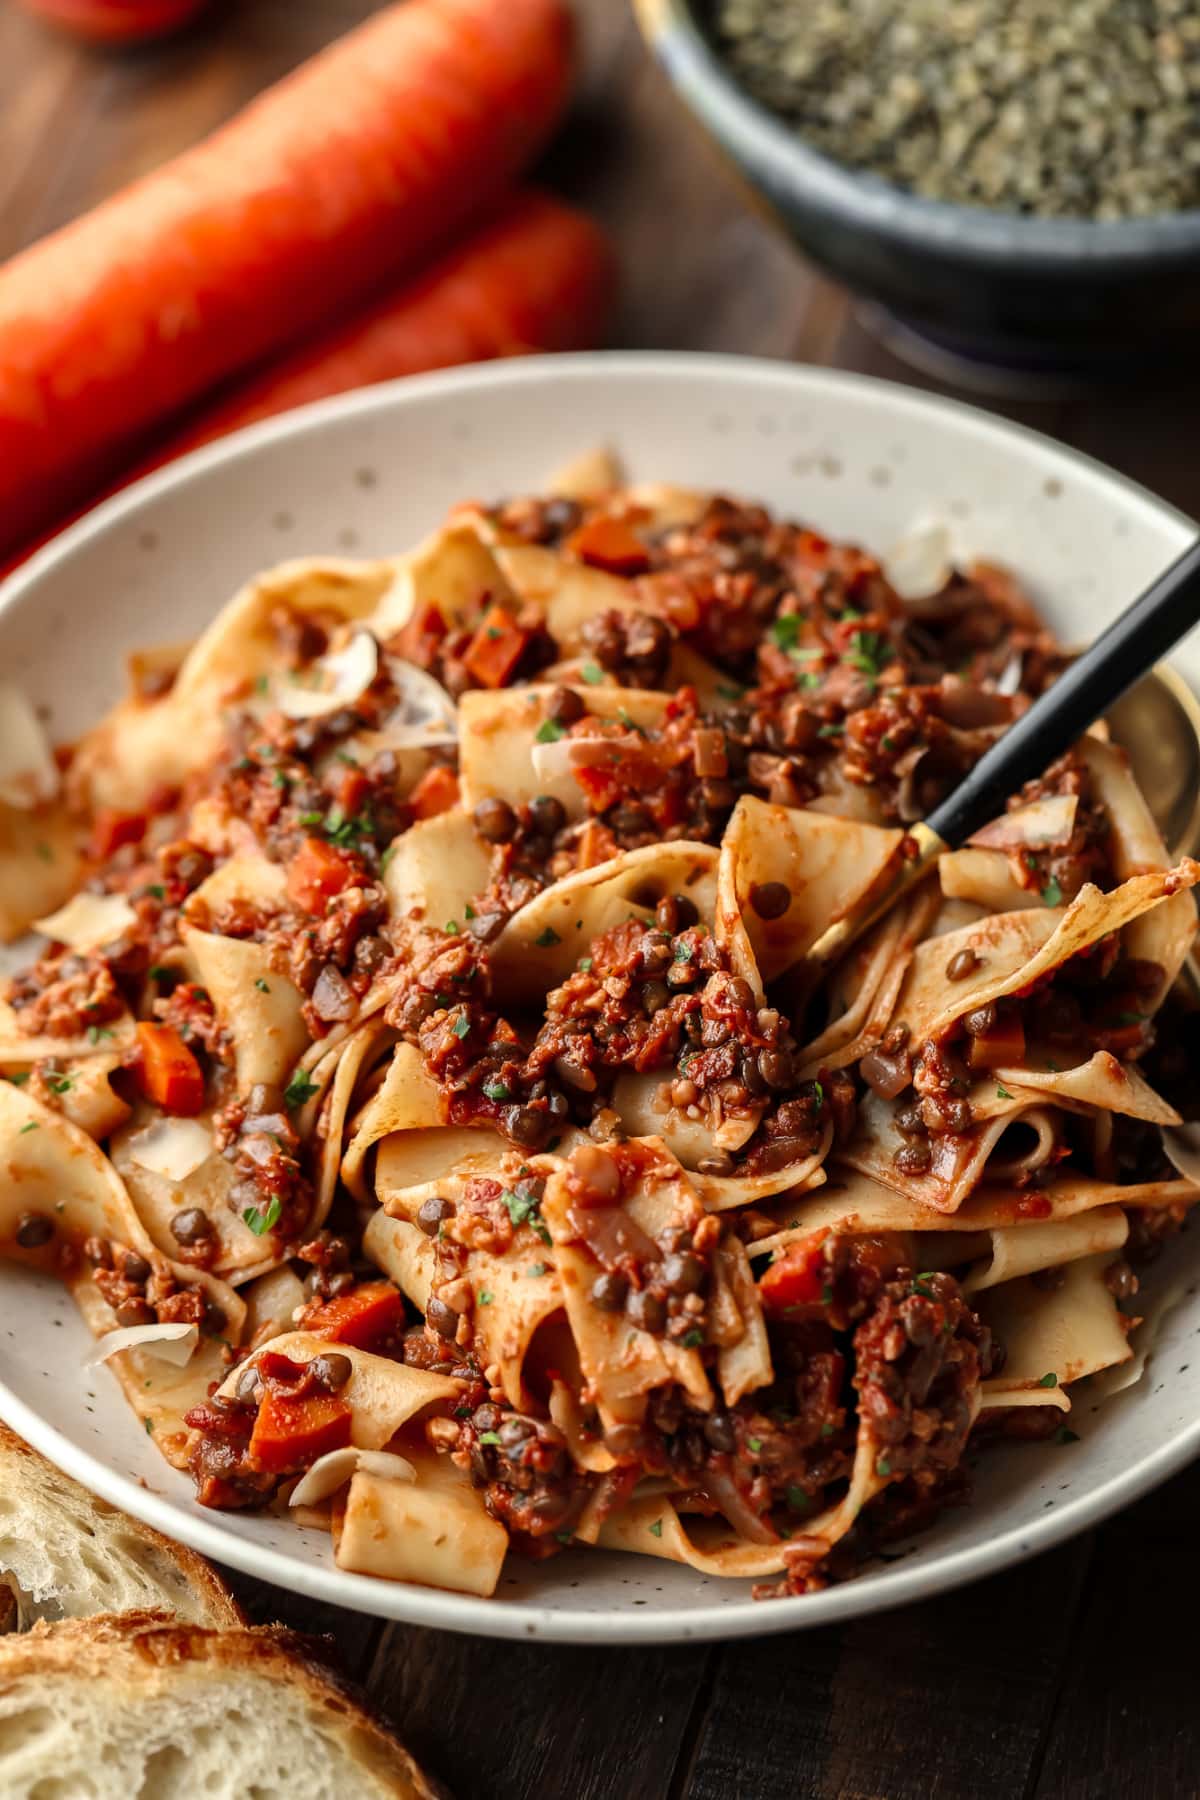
{"type": "Point", "coordinates": [1069, 1676]}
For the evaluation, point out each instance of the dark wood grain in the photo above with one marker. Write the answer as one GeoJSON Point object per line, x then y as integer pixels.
{"type": "Point", "coordinates": [1059, 1680]}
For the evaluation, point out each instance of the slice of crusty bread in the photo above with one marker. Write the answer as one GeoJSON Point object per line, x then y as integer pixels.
{"type": "Point", "coordinates": [109, 1708]}
{"type": "Point", "coordinates": [65, 1554]}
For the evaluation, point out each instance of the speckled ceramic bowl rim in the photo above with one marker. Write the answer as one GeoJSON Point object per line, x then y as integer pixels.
{"type": "Point", "coordinates": [457, 1612]}
{"type": "Point", "coordinates": [783, 164]}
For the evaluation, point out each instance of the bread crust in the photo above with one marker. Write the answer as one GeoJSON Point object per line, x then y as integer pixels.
{"type": "Point", "coordinates": [149, 1653]}
{"type": "Point", "coordinates": [22, 1465]}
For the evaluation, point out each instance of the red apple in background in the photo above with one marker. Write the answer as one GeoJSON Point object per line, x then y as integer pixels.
{"type": "Point", "coordinates": [117, 21]}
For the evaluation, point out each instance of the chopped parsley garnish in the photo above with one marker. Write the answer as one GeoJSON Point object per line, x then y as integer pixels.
{"type": "Point", "coordinates": [468, 912]}
{"type": "Point", "coordinates": [260, 1222]}
{"type": "Point", "coordinates": [98, 1032]}
{"type": "Point", "coordinates": [919, 1286]}
{"type": "Point", "coordinates": [461, 1026]}
{"type": "Point", "coordinates": [592, 673]}
{"type": "Point", "coordinates": [625, 718]}
{"type": "Point", "coordinates": [785, 631]}
{"type": "Point", "coordinates": [827, 1294]}
{"type": "Point", "coordinates": [156, 891]}
{"type": "Point", "coordinates": [59, 1083]}
{"type": "Point", "coordinates": [522, 1209]}
{"type": "Point", "coordinates": [831, 731]}
{"type": "Point", "coordinates": [1052, 892]}
{"type": "Point", "coordinates": [656, 1528]}
{"type": "Point", "coordinates": [19, 1077]}
{"type": "Point", "coordinates": [536, 1270]}
{"type": "Point", "coordinates": [818, 1095]}
{"type": "Point", "coordinates": [159, 972]}
{"type": "Point", "coordinates": [44, 851]}
{"type": "Point", "coordinates": [585, 965]}
{"type": "Point", "coordinates": [869, 653]}
{"type": "Point", "coordinates": [263, 987]}
{"type": "Point", "coordinates": [1049, 1381]}
{"type": "Point", "coordinates": [149, 1424]}
{"type": "Point", "coordinates": [485, 1297]}
{"type": "Point", "coordinates": [299, 1089]}
{"type": "Point", "coordinates": [1002, 1093]}
{"type": "Point", "coordinates": [280, 780]}
{"type": "Point", "coordinates": [692, 1340]}
{"type": "Point", "coordinates": [797, 1498]}
{"type": "Point", "coordinates": [547, 938]}
{"type": "Point", "coordinates": [827, 1429]}
{"type": "Point", "coordinates": [882, 1466]}
{"type": "Point", "coordinates": [386, 858]}
{"type": "Point", "coordinates": [452, 928]}
{"type": "Point", "coordinates": [1131, 1018]}
{"type": "Point", "coordinates": [312, 818]}
{"type": "Point", "coordinates": [549, 732]}
{"type": "Point", "coordinates": [684, 951]}
{"type": "Point", "coordinates": [32, 1126]}
{"type": "Point", "coordinates": [728, 691]}
{"type": "Point", "coordinates": [489, 1437]}
{"type": "Point", "coordinates": [1065, 1436]}
{"type": "Point", "coordinates": [496, 1090]}
{"type": "Point", "coordinates": [754, 1445]}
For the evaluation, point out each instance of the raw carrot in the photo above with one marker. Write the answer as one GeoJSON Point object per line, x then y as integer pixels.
{"type": "Point", "coordinates": [539, 276]}
{"type": "Point", "coordinates": [117, 21]}
{"type": "Point", "coordinates": [345, 173]}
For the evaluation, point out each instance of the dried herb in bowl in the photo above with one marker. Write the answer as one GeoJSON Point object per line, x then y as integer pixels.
{"type": "Point", "coordinates": [1084, 108]}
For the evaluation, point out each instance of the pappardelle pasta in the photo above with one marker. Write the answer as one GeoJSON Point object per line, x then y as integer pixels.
{"type": "Point", "coordinates": [421, 1087]}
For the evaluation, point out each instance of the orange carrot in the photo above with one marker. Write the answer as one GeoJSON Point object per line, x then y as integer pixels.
{"type": "Point", "coordinates": [289, 1433]}
{"type": "Point", "coordinates": [342, 175]}
{"type": "Point", "coordinates": [316, 873]}
{"type": "Point", "coordinates": [496, 648]}
{"type": "Point", "coordinates": [538, 277]}
{"type": "Point", "coordinates": [362, 1317]}
{"type": "Point", "coordinates": [168, 1073]}
{"type": "Point", "coordinates": [436, 792]}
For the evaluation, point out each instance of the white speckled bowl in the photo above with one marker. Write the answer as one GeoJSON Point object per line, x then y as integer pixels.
{"type": "Point", "coordinates": [372, 471]}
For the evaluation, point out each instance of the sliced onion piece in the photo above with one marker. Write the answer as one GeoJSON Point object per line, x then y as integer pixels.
{"type": "Point", "coordinates": [89, 920]}
{"type": "Point", "coordinates": [920, 564]}
{"type": "Point", "coordinates": [169, 1343]}
{"type": "Point", "coordinates": [1009, 679]}
{"type": "Point", "coordinates": [28, 772]}
{"type": "Point", "coordinates": [1182, 1145]}
{"type": "Point", "coordinates": [335, 1468]}
{"type": "Point", "coordinates": [1039, 826]}
{"type": "Point", "coordinates": [172, 1147]}
{"type": "Point", "coordinates": [425, 713]}
{"type": "Point", "coordinates": [335, 680]}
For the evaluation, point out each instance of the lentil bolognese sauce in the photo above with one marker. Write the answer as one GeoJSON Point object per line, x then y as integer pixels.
{"type": "Point", "coordinates": [424, 1045]}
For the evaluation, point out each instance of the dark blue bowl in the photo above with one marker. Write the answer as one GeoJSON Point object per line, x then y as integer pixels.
{"type": "Point", "coordinates": [1029, 294]}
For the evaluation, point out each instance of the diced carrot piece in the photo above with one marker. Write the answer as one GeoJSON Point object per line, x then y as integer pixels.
{"type": "Point", "coordinates": [610, 544]}
{"type": "Point", "coordinates": [317, 872]}
{"type": "Point", "coordinates": [496, 649]}
{"type": "Point", "coordinates": [418, 641]}
{"type": "Point", "coordinates": [436, 792]}
{"type": "Point", "coordinates": [352, 790]}
{"type": "Point", "coordinates": [291, 1434]}
{"type": "Point", "coordinates": [111, 830]}
{"type": "Point", "coordinates": [798, 1276]}
{"type": "Point", "coordinates": [168, 1073]}
{"type": "Point", "coordinates": [361, 1317]}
